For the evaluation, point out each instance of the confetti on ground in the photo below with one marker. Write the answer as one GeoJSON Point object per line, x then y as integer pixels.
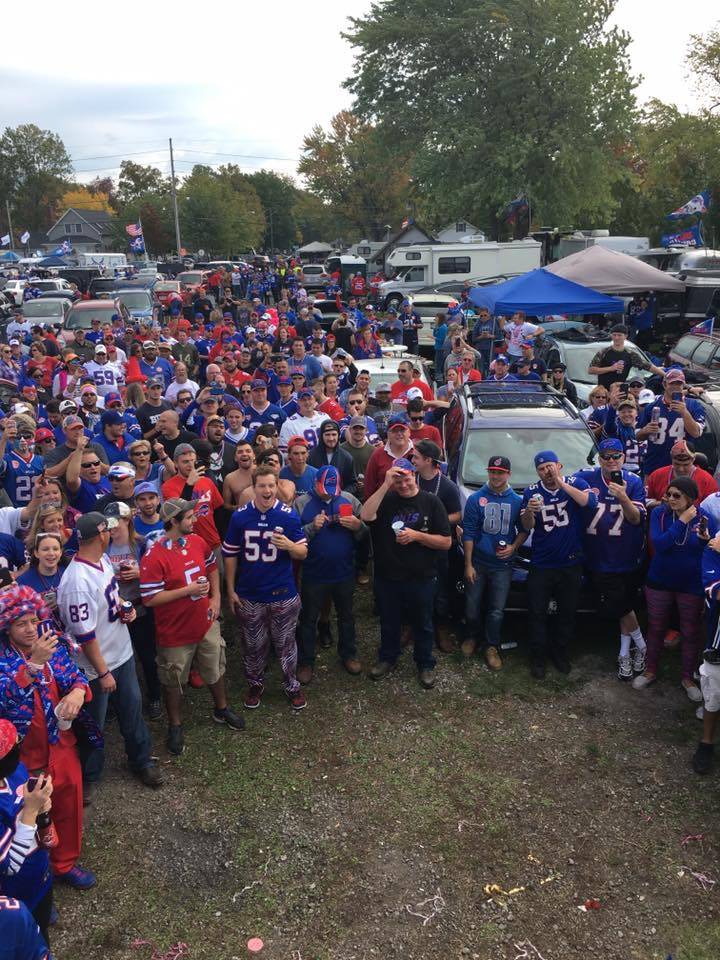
{"type": "Point", "coordinates": [707, 883]}
{"type": "Point", "coordinates": [255, 944]}
{"type": "Point", "coordinates": [174, 953]}
{"type": "Point", "coordinates": [523, 947]}
{"type": "Point", "coordinates": [437, 906]}
{"type": "Point", "coordinates": [691, 838]}
{"type": "Point", "coordinates": [590, 904]}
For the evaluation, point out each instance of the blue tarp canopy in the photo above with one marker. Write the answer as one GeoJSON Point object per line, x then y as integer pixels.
{"type": "Point", "coordinates": [52, 261]}
{"type": "Point", "coordinates": [9, 256]}
{"type": "Point", "coordinates": [540, 293]}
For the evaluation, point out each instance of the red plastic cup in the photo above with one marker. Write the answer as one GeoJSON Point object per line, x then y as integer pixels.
{"type": "Point", "coordinates": [345, 510]}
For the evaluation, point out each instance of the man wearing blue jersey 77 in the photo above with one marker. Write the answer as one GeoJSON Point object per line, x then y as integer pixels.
{"type": "Point", "coordinates": [553, 509]}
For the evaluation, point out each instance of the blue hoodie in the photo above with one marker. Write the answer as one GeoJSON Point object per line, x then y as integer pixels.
{"type": "Point", "coordinates": [677, 552]}
{"type": "Point", "coordinates": [488, 518]}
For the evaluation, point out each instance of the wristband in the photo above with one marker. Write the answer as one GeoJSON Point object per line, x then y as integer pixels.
{"type": "Point", "coordinates": [101, 676]}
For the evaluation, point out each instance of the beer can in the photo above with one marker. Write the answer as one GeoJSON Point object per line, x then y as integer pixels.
{"type": "Point", "coordinates": [202, 580]}
{"type": "Point", "coordinates": [126, 610]}
{"type": "Point", "coordinates": [500, 545]}
{"type": "Point", "coordinates": [280, 530]}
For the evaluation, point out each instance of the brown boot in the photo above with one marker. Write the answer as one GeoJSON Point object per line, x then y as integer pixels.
{"type": "Point", "coordinates": [304, 674]}
{"type": "Point", "coordinates": [492, 658]}
{"type": "Point", "coordinates": [406, 637]}
{"type": "Point", "coordinates": [353, 666]}
{"type": "Point", "coordinates": [442, 638]}
{"type": "Point", "coordinates": [468, 647]}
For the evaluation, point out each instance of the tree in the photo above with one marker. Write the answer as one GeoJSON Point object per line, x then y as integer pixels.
{"type": "Point", "coordinates": [136, 180]}
{"type": "Point", "coordinates": [83, 199]}
{"type": "Point", "coordinates": [498, 97]}
{"type": "Point", "coordinates": [703, 61]}
{"type": "Point", "coordinates": [277, 195]}
{"type": "Point", "coordinates": [34, 172]}
{"type": "Point", "coordinates": [220, 213]}
{"type": "Point", "coordinates": [154, 211]}
{"type": "Point", "coordinates": [318, 220]}
{"type": "Point", "coordinates": [356, 170]}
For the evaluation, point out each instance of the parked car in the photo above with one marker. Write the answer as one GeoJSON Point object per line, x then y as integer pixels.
{"type": "Point", "coordinates": [384, 369]}
{"type": "Point", "coordinates": [15, 289]}
{"type": "Point", "coordinates": [699, 352]}
{"type": "Point", "coordinates": [190, 280]}
{"type": "Point", "coordinates": [140, 304]}
{"type": "Point", "coordinates": [315, 276]}
{"type": "Point", "coordinates": [83, 313]}
{"type": "Point", "coordinates": [47, 311]}
{"type": "Point", "coordinates": [164, 288]}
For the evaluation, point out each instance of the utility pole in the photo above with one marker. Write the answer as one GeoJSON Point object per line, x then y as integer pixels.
{"type": "Point", "coordinates": [10, 227]}
{"type": "Point", "coordinates": [174, 198]}
{"type": "Point", "coordinates": [272, 234]}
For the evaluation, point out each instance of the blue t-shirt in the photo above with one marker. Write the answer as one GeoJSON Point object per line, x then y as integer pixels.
{"type": "Point", "coordinates": [84, 499]}
{"type": "Point", "coordinates": [559, 527]}
{"type": "Point", "coordinates": [303, 483]}
{"type": "Point", "coordinates": [264, 573]}
{"type": "Point", "coordinates": [671, 429]}
{"type": "Point", "coordinates": [20, 937]}
{"type": "Point", "coordinates": [610, 543]}
{"type": "Point", "coordinates": [151, 531]}
{"type": "Point", "coordinates": [12, 552]}
{"type": "Point", "coordinates": [158, 368]}
{"type": "Point", "coordinates": [488, 518]}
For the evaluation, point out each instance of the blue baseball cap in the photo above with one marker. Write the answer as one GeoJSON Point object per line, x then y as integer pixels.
{"type": "Point", "coordinates": [501, 358]}
{"type": "Point", "coordinates": [546, 456]}
{"type": "Point", "coordinates": [402, 463]}
{"type": "Point", "coordinates": [398, 420]}
{"type": "Point", "coordinates": [284, 382]}
{"type": "Point", "coordinates": [306, 392]}
{"type": "Point", "coordinates": [612, 443]}
{"type": "Point", "coordinates": [327, 481]}
{"type": "Point", "coordinates": [258, 384]}
{"type": "Point", "coordinates": [146, 487]}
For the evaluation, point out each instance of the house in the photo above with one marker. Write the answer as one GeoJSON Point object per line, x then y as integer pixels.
{"type": "Point", "coordinates": [365, 248]}
{"type": "Point", "coordinates": [89, 231]}
{"type": "Point", "coordinates": [457, 231]}
{"type": "Point", "coordinates": [411, 232]}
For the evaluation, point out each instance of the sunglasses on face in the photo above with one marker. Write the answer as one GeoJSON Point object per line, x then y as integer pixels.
{"type": "Point", "coordinates": [416, 419]}
{"type": "Point", "coordinates": [611, 456]}
{"type": "Point", "coordinates": [674, 496]}
{"type": "Point", "coordinates": [140, 453]}
{"type": "Point", "coordinates": [91, 463]}
{"type": "Point", "coordinates": [682, 459]}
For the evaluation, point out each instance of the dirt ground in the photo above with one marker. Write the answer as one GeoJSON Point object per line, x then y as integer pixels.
{"type": "Point", "coordinates": [470, 821]}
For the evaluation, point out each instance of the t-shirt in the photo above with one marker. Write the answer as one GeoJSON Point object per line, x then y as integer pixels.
{"type": "Point", "coordinates": [150, 531]}
{"type": "Point", "coordinates": [399, 390]}
{"type": "Point", "coordinates": [659, 480]}
{"type": "Point", "coordinates": [414, 561]}
{"type": "Point", "coordinates": [88, 494]}
{"type": "Point", "coordinates": [427, 432]}
{"type": "Point", "coordinates": [264, 573]}
{"type": "Point", "coordinates": [147, 414]}
{"type": "Point", "coordinates": [209, 500]}
{"type": "Point", "coordinates": [444, 489]}
{"type": "Point", "coordinates": [611, 544]}
{"type": "Point", "coordinates": [170, 565]}
{"type": "Point", "coordinates": [606, 358]}
{"type": "Point", "coordinates": [515, 333]}
{"type": "Point", "coordinates": [304, 483]}
{"type": "Point", "coordinates": [671, 428]}
{"type": "Point", "coordinates": [89, 603]}
{"type": "Point", "coordinates": [560, 525]}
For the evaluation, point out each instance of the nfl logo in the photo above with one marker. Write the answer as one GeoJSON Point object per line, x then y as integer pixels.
{"type": "Point", "coordinates": [16, 465]}
{"type": "Point", "coordinates": [483, 501]}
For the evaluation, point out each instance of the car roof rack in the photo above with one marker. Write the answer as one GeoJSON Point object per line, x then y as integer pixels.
{"type": "Point", "coordinates": [515, 393]}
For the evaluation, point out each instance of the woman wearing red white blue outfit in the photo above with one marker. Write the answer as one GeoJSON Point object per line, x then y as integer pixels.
{"type": "Point", "coordinates": [41, 688]}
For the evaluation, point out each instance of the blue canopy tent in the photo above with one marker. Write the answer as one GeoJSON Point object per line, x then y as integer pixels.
{"type": "Point", "coordinates": [52, 261]}
{"type": "Point", "coordinates": [540, 293]}
{"type": "Point", "coordinates": [9, 257]}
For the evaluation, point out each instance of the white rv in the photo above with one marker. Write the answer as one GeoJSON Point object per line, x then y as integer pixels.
{"type": "Point", "coordinates": [582, 239]}
{"type": "Point", "coordinates": [428, 264]}
{"type": "Point", "coordinates": [102, 261]}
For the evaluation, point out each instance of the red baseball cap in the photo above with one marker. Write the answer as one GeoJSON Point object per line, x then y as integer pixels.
{"type": "Point", "coordinates": [43, 434]}
{"type": "Point", "coordinates": [297, 441]}
{"type": "Point", "coordinates": [8, 737]}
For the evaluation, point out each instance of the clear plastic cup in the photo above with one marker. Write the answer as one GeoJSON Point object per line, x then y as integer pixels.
{"type": "Point", "coordinates": [62, 723]}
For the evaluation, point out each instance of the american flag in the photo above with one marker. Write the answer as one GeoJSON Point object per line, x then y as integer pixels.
{"type": "Point", "coordinates": [134, 230]}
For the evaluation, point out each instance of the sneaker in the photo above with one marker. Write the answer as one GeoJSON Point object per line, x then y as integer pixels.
{"type": "Point", "coordinates": [324, 635]}
{"type": "Point", "coordinates": [468, 647]}
{"type": "Point", "coordinates": [150, 776]}
{"type": "Point", "coordinates": [304, 674]}
{"type": "Point", "coordinates": [537, 669]}
{"type": "Point", "coordinates": [427, 679]}
{"type": "Point", "coordinates": [492, 658]}
{"type": "Point", "coordinates": [625, 668]}
{"type": "Point", "coordinates": [155, 710]}
{"type": "Point", "coordinates": [175, 741]}
{"type": "Point", "coordinates": [642, 681]}
{"type": "Point", "coordinates": [54, 916]}
{"type": "Point", "coordinates": [693, 692]}
{"type": "Point", "coordinates": [362, 578]}
{"type": "Point", "coordinates": [703, 758]}
{"type": "Point", "coordinates": [297, 700]}
{"type": "Point", "coordinates": [229, 718]}
{"type": "Point", "coordinates": [381, 669]}
{"type": "Point", "coordinates": [77, 877]}
{"type": "Point", "coordinates": [638, 659]}
{"type": "Point", "coordinates": [253, 697]}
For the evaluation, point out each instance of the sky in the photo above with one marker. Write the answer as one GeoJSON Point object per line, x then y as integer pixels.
{"type": "Point", "coordinates": [241, 88]}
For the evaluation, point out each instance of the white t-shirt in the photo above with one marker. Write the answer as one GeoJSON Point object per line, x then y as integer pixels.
{"type": "Point", "coordinates": [175, 388]}
{"type": "Point", "coordinates": [89, 603]}
{"type": "Point", "coordinates": [515, 334]}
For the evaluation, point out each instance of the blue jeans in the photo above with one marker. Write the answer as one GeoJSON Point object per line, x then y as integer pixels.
{"type": "Point", "coordinates": [127, 703]}
{"type": "Point", "coordinates": [404, 601]}
{"type": "Point", "coordinates": [497, 580]}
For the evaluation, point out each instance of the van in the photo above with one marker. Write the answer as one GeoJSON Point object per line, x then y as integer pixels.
{"type": "Point", "coordinates": [102, 261]}
{"type": "Point", "coordinates": [346, 265]}
{"type": "Point", "coordinates": [427, 264]}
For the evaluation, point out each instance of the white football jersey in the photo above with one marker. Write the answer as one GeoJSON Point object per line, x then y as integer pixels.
{"type": "Point", "coordinates": [108, 377]}
{"type": "Point", "coordinates": [297, 426]}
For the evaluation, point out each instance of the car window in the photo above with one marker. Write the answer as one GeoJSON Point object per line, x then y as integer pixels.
{"type": "Point", "coordinates": [685, 346]}
{"type": "Point", "coordinates": [520, 444]}
{"type": "Point", "coordinates": [704, 351]}
{"type": "Point", "coordinates": [84, 318]}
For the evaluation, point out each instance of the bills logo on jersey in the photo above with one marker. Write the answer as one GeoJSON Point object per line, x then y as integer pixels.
{"type": "Point", "coordinates": [202, 505]}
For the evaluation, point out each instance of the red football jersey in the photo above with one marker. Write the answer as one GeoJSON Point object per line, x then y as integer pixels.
{"type": "Point", "coordinates": [169, 566]}
{"type": "Point", "coordinates": [206, 500]}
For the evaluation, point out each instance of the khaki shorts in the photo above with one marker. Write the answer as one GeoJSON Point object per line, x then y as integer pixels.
{"type": "Point", "coordinates": [710, 685]}
{"type": "Point", "coordinates": [173, 663]}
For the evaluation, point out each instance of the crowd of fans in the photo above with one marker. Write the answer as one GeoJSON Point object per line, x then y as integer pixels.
{"type": "Point", "coordinates": [232, 465]}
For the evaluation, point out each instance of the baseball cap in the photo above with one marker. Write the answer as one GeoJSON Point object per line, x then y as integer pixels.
{"type": "Point", "coordinates": [499, 463]}
{"type": "Point", "coordinates": [305, 393]}
{"type": "Point", "coordinates": [428, 448]}
{"type": "Point", "coordinates": [213, 418]}
{"type": "Point", "coordinates": [14, 342]}
{"type": "Point", "coordinates": [154, 382]}
{"type": "Point", "coordinates": [645, 396]}
{"type": "Point", "coordinates": [297, 441]}
{"type": "Point", "coordinates": [43, 434]}
{"type": "Point", "coordinates": [413, 393]}
{"type": "Point", "coordinates": [72, 421]}
{"type": "Point", "coordinates": [501, 358]}
{"type": "Point", "coordinates": [8, 737]}
{"type": "Point", "coordinates": [112, 398]}
{"type": "Point", "coordinates": [111, 418]}
{"type": "Point", "coordinates": [635, 382]}
{"type": "Point", "coordinates": [101, 348]}
{"type": "Point", "coordinates": [175, 506]}
{"type": "Point", "coordinates": [402, 463]}
{"type": "Point", "coordinates": [182, 448]}
{"type": "Point", "coordinates": [383, 388]}
{"type": "Point", "coordinates": [122, 470]}
{"type": "Point", "coordinates": [117, 509]}
{"type": "Point", "coordinates": [284, 382]}
{"type": "Point", "coordinates": [397, 420]}
{"type": "Point", "coordinates": [249, 329]}
{"type": "Point", "coordinates": [146, 487]}
{"type": "Point", "coordinates": [67, 405]}
{"type": "Point", "coordinates": [91, 525]}
{"type": "Point", "coordinates": [523, 362]}
{"type": "Point", "coordinates": [546, 456]}
{"type": "Point", "coordinates": [612, 443]}
{"type": "Point", "coordinates": [674, 376]}
{"type": "Point", "coordinates": [559, 366]}
{"type": "Point", "coordinates": [327, 481]}
{"type": "Point", "coordinates": [627, 402]}
{"type": "Point", "coordinates": [148, 343]}
{"type": "Point", "coordinates": [258, 384]}
{"type": "Point", "coordinates": [357, 422]}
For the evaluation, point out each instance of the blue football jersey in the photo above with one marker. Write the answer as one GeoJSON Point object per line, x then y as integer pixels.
{"type": "Point", "coordinates": [271, 414]}
{"type": "Point", "coordinates": [671, 428]}
{"type": "Point", "coordinates": [20, 937]}
{"type": "Point", "coordinates": [558, 532]}
{"type": "Point", "coordinates": [19, 476]}
{"type": "Point", "coordinates": [264, 573]}
{"type": "Point", "coordinates": [610, 543]}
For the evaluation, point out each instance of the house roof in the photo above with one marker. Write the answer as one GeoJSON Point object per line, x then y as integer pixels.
{"type": "Point", "coordinates": [451, 225]}
{"type": "Point", "coordinates": [99, 219]}
{"type": "Point", "coordinates": [395, 241]}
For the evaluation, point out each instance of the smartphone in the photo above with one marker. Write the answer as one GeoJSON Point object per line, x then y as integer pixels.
{"type": "Point", "coordinates": [677, 397]}
{"type": "Point", "coordinates": [616, 476]}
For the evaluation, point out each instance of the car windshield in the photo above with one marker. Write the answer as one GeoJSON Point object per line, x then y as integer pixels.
{"type": "Point", "coordinates": [577, 359]}
{"type": "Point", "coordinates": [84, 318]}
{"type": "Point", "coordinates": [167, 286]}
{"type": "Point", "coordinates": [135, 301]}
{"type": "Point", "coordinates": [520, 444]}
{"type": "Point", "coordinates": [42, 308]}
{"type": "Point", "coordinates": [190, 277]}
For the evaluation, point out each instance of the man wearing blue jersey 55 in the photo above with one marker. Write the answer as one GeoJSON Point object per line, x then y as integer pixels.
{"type": "Point", "coordinates": [553, 509]}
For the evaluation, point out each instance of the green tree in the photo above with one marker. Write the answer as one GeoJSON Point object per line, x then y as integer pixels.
{"type": "Point", "coordinates": [34, 173]}
{"type": "Point", "coordinates": [278, 195]}
{"type": "Point", "coordinates": [137, 179]}
{"type": "Point", "coordinates": [218, 215]}
{"type": "Point", "coordinates": [494, 97]}
{"type": "Point", "coordinates": [356, 170]}
{"type": "Point", "coordinates": [318, 220]}
{"type": "Point", "coordinates": [703, 62]}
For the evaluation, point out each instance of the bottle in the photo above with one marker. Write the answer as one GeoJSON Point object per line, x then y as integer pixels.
{"type": "Point", "coordinates": [47, 834]}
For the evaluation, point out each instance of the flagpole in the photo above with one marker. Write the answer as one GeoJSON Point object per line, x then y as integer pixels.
{"type": "Point", "coordinates": [10, 229]}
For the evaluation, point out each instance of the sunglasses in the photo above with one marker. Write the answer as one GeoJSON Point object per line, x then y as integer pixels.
{"type": "Point", "coordinates": [91, 463]}
{"type": "Point", "coordinates": [674, 496]}
{"type": "Point", "coordinates": [416, 419]}
{"type": "Point", "coordinates": [48, 440]}
{"type": "Point", "coordinates": [611, 456]}
{"type": "Point", "coordinates": [139, 453]}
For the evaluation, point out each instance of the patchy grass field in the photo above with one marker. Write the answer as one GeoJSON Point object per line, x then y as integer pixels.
{"type": "Point", "coordinates": [387, 821]}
